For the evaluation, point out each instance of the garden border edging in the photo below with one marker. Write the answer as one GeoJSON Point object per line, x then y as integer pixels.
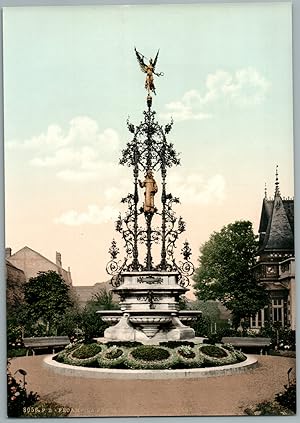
{"type": "Point", "coordinates": [98, 373]}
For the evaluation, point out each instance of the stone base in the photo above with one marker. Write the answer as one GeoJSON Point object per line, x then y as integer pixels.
{"type": "Point", "coordinates": [124, 331]}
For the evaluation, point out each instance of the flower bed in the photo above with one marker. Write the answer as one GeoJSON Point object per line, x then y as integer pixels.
{"type": "Point", "coordinates": [113, 357]}
{"type": "Point", "coordinates": [215, 355]}
{"type": "Point", "coordinates": [155, 357]}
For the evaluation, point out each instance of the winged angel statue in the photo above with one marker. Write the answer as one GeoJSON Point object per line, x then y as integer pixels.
{"type": "Point", "coordinates": [149, 70]}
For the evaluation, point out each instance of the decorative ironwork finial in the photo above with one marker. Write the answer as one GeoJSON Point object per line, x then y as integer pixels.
{"type": "Point", "coordinates": [149, 70]}
{"type": "Point", "coordinates": [153, 226]}
{"type": "Point", "coordinates": [277, 190]}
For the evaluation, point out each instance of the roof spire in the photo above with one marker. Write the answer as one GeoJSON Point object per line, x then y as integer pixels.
{"type": "Point", "coordinates": [277, 191]}
{"type": "Point", "coordinates": [266, 194]}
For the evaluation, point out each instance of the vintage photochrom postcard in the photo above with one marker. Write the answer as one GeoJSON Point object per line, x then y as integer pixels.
{"type": "Point", "coordinates": [149, 202]}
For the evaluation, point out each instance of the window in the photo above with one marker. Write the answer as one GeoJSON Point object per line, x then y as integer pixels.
{"type": "Point", "coordinates": [277, 310]}
{"type": "Point", "coordinates": [258, 320]}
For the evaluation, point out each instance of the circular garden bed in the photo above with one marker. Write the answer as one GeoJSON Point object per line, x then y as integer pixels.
{"type": "Point", "coordinates": [133, 355]}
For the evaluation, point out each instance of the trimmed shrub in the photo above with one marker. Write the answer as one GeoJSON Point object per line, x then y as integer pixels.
{"type": "Point", "coordinates": [150, 353]}
{"type": "Point", "coordinates": [151, 357]}
{"type": "Point", "coordinates": [186, 352]}
{"type": "Point", "coordinates": [84, 362]}
{"type": "Point", "coordinates": [216, 356]}
{"type": "Point", "coordinates": [113, 357]}
{"type": "Point", "coordinates": [188, 357]}
{"type": "Point", "coordinates": [86, 351]}
{"type": "Point", "coordinates": [213, 351]}
{"type": "Point", "coordinates": [239, 356]}
{"type": "Point", "coordinates": [228, 347]}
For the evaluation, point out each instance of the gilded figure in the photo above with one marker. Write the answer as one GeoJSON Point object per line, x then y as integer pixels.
{"type": "Point", "coordinates": [150, 190]}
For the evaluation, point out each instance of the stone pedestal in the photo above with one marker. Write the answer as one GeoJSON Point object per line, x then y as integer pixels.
{"type": "Point", "coordinates": [149, 303]}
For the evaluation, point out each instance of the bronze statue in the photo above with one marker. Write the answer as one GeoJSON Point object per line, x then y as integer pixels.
{"type": "Point", "coordinates": [150, 190]}
{"type": "Point", "coordinates": [149, 70]}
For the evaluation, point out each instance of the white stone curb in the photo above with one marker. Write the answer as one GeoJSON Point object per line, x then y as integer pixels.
{"type": "Point", "coordinates": [88, 372]}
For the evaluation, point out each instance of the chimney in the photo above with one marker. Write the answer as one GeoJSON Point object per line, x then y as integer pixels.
{"type": "Point", "coordinates": [58, 262]}
{"type": "Point", "coordinates": [7, 252]}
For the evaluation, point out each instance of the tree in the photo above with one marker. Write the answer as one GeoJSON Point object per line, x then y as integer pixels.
{"type": "Point", "coordinates": [226, 274]}
{"type": "Point", "coordinates": [103, 300]}
{"type": "Point", "coordinates": [93, 325]}
{"type": "Point", "coordinates": [47, 298]}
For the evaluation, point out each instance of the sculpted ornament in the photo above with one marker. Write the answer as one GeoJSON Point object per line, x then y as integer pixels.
{"type": "Point", "coordinates": [150, 190]}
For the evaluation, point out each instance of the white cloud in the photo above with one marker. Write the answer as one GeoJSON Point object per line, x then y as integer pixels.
{"type": "Point", "coordinates": [194, 189]}
{"type": "Point", "coordinates": [77, 175]}
{"type": "Point", "coordinates": [82, 153]}
{"type": "Point", "coordinates": [94, 215]}
{"type": "Point", "coordinates": [246, 87]}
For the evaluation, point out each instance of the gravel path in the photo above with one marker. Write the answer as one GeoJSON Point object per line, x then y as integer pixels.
{"type": "Point", "coordinates": [213, 396]}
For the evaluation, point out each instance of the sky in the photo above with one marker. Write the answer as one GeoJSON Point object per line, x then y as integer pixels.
{"type": "Point", "coordinates": [71, 79]}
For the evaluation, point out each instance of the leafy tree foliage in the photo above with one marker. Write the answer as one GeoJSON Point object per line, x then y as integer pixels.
{"type": "Point", "coordinates": [92, 324]}
{"type": "Point", "coordinates": [47, 298]}
{"type": "Point", "coordinates": [225, 271]}
{"type": "Point", "coordinates": [103, 300]}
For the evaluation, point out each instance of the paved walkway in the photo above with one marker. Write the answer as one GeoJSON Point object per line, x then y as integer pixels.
{"type": "Point", "coordinates": [213, 396]}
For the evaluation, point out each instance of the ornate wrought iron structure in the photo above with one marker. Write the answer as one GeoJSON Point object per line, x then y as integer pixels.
{"type": "Point", "coordinates": [149, 150]}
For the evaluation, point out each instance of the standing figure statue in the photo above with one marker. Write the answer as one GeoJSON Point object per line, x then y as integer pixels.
{"type": "Point", "coordinates": [150, 190]}
{"type": "Point", "coordinates": [149, 70]}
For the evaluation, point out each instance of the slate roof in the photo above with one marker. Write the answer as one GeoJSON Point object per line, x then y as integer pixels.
{"type": "Point", "coordinates": [276, 227]}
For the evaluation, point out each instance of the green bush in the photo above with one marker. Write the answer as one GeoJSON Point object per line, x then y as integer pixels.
{"type": "Point", "coordinates": [217, 356]}
{"type": "Point", "coordinates": [213, 351]}
{"type": "Point", "coordinates": [113, 357]}
{"type": "Point", "coordinates": [288, 398]}
{"type": "Point", "coordinates": [186, 352]}
{"type": "Point", "coordinates": [149, 356]}
{"type": "Point", "coordinates": [87, 351]}
{"type": "Point", "coordinates": [113, 353]}
{"type": "Point", "coordinates": [268, 408]}
{"type": "Point", "coordinates": [150, 353]}
{"type": "Point", "coordinates": [239, 356]}
{"type": "Point", "coordinates": [188, 357]}
{"type": "Point", "coordinates": [17, 396]}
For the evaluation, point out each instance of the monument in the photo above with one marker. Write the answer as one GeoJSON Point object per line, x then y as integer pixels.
{"type": "Point", "coordinates": [149, 280]}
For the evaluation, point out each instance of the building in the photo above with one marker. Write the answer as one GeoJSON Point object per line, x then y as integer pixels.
{"type": "Point", "coordinates": [31, 262]}
{"type": "Point", "coordinates": [84, 293]}
{"type": "Point", "coordinates": [276, 261]}
{"type": "Point", "coordinates": [15, 279]}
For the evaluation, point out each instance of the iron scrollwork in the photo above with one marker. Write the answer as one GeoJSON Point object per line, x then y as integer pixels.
{"type": "Point", "coordinates": [149, 150]}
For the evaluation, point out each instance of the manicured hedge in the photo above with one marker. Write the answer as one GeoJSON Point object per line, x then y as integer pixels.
{"type": "Point", "coordinates": [217, 356]}
{"type": "Point", "coordinates": [115, 355]}
{"type": "Point", "coordinates": [86, 351]}
{"type": "Point", "coordinates": [151, 357]}
{"type": "Point", "coordinates": [150, 353]}
{"type": "Point", "coordinates": [213, 351]}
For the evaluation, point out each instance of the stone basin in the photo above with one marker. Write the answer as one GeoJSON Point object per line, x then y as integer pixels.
{"type": "Point", "coordinates": [151, 316]}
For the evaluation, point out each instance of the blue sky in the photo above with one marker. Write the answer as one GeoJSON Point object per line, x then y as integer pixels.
{"type": "Point", "coordinates": [70, 81]}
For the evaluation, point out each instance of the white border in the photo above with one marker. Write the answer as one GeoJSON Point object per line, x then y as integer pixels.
{"type": "Point", "coordinates": [96, 373]}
